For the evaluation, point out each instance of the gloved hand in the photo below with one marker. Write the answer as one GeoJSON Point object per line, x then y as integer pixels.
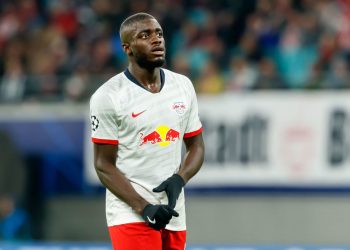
{"type": "Point", "coordinates": [172, 187]}
{"type": "Point", "coordinates": [158, 216]}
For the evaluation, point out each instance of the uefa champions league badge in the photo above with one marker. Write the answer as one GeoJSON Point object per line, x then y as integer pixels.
{"type": "Point", "coordinates": [179, 107]}
{"type": "Point", "coordinates": [94, 123]}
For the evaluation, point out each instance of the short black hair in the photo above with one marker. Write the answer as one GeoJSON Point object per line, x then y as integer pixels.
{"type": "Point", "coordinates": [131, 20]}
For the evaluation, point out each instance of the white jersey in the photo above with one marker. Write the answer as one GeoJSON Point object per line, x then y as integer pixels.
{"type": "Point", "coordinates": [149, 129]}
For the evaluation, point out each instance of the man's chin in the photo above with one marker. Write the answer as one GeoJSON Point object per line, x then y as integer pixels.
{"type": "Point", "coordinates": [159, 62]}
{"type": "Point", "coordinates": [147, 64]}
{"type": "Point", "coordinates": [154, 64]}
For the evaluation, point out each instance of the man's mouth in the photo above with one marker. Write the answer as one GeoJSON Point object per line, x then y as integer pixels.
{"type": "Point", "coordinates": [159, 51]}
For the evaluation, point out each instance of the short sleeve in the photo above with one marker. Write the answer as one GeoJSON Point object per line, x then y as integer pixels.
{"type": "Point", "coordinates": [104, 128]}
{"type": "Point", "coordinates": [194, 125]}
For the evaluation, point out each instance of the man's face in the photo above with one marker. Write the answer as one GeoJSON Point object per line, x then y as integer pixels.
{"type": "Point", "coordinates": [147, 44]}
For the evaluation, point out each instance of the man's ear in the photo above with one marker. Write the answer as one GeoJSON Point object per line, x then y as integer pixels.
{"type": "Point", "coordinates": [127, 49]}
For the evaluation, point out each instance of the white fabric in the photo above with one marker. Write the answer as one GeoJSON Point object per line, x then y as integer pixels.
{"type": "Point", "coordinates": [149, 144]}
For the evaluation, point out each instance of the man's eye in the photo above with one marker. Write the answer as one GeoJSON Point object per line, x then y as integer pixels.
{"type": "Point", "coordinates": [160, 34]}
{"type": "Point", "coordinates": [144, 35]}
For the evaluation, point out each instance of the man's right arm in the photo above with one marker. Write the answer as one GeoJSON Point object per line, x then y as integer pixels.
{"type": "Point", "coordinates": [105, 156]}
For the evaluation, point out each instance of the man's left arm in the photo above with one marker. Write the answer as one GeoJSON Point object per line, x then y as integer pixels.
{"type": "Point", "coordinates": [192, 162]}
{"type": "Point", "coordinates": [194, 157]}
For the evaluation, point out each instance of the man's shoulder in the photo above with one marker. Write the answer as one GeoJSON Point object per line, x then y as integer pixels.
{"type": "Point", "coordinates": [112, 85]}
{"type": "Point", "coordinates": [178, 79]}
{"type": "Point", "coordinates": [173, 74]}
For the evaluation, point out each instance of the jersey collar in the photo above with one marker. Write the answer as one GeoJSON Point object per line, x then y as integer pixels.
{"type": "Point", "coordinates": [133, 79]}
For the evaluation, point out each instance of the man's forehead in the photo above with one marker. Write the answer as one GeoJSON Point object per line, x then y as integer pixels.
{"type": "Point", "coordinates": [147, 24]}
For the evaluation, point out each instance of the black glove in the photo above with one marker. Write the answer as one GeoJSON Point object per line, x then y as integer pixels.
{"type": "Point", "coordinates": [158, 216]}
{"type": "Point", "coordinates": [172, 187]}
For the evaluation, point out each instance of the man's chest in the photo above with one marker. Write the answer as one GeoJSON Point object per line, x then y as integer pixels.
{"type": "Point", "coordinates": [156, 118]}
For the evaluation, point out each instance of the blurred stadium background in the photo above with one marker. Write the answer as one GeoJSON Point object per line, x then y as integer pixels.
{"type": "Point", "coordinates": [273, 83]}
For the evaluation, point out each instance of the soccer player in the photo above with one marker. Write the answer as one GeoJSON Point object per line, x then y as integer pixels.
{"type": "Point", "coordinates": [140, 118]}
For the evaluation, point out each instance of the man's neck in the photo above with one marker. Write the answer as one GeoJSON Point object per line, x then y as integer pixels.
{"type": "Point", "coordinates": [149, 78]}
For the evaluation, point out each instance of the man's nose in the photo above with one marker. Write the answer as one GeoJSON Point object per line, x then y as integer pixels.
{"type": "Point", "coordinates": [156, 39]}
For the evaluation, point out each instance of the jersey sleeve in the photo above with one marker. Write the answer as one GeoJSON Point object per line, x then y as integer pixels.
{"type": "Point", "coordinates": [104, 128]}
{"type": "Point", "coordinates": [194, 125]}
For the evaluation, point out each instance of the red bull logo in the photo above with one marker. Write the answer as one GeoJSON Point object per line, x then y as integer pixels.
{"type": "Point", "coordinates": [163, 136]}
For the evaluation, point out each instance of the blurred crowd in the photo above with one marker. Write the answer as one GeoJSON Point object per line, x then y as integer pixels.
{"type": "Point", "coordinates": [62, 50]}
